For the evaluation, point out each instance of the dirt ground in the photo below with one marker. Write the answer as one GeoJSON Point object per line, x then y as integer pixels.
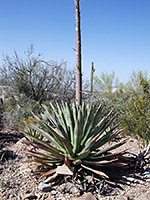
{"type": "Point", "coordinates": [18, 179]}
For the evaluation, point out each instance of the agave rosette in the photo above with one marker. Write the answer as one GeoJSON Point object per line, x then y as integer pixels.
{"type": "Point", "coordinates": [78, 132]}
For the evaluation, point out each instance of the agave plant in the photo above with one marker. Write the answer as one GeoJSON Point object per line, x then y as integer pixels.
{"type": "Point", "coordinates": [74, 136]}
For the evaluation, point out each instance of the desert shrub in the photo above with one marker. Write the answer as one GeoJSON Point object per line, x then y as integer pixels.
{"type": "Point", "coordinates": [31, 81]}
{"type": "Point", "coordinates": [17, 112]}
{"type": "Point", "coordinates": [136, 116]}
{"type": "Point", "coordinates": [130, 101]}
{"type": "Point", "coordinates": [36, 78]}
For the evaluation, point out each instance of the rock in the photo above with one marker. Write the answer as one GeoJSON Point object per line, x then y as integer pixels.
{"type": "Point", "coordinates": [121, 198]}
{"type": "Point", "coordinates": [146, 174]}
{"type": "Point", "coordinates": [53, 192]}
{"type": "Point", "coordinates": [86, 196]}
{"type": "Point", "coordinates": [45, 187]}
{"type": "Point", "coordinates": [130, 179]}
{"type": "Point", "coordinates": [144, 196]}
{"type": "Point", "coordinates": [51, 178]}
{"type": "Point", "coordinates": [64, 170]}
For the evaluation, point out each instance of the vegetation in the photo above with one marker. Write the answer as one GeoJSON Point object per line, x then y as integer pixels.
{"type": "Point", "coordinates": [30, 82]}
{"type": "Point", "coordinates": [137, 111]}
{"type": "Point", "coordinates": [130, 100]}
{"type": "Point", "coordinates": [74, 136]}
{"type": "Point", "coordinates": [36, 78]}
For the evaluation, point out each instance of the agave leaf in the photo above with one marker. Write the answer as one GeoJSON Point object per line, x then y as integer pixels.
{"type": "Point", "coordinates": [100, 130]}
{"type": "Point", "coordinates": [51, 134]}
{"type": "Point", "coordinates": [48, 173]}
{"type": "Point", "coordinates": [44, 117]}
{"type": "Point", "coordinates": [38, 120]}
{"type": "Point", "coordinates": [100, 152]}
{"type": "Point", "coordinates": [68, 116]}
{"type": "Point", "coordinates": [45, 148]}
{"type": "Point", "coordinates": [103, 163]}
{"type": "Point", "coordinates": [49, 114]}
{"type": "Point", "coordinates": [67, 146]}
{"type": "Point", "coordinates": [63, 122]}
{"type": "Point", "coordinates": [55, 134]}
{"type": "Point", "coordinates": [47, 162]}
{"type": "Point", "coordinates": [75, 111]}
{"type": "Point", "coordinates": [78, 132]}
{"type": "Point", "coordinates": [43, 156]}
{"type": "Point", "coordinates": [83, 155]}
{"type": "Point", "coordinates": [87, 124]}
{"type": "Point", "coordinates": [60, 123]}
{"type": "Point", "coordinates": [89, 132]}
{"type": "Point", "coordinates": [104, 139]}
{"type": "Point", "coordinates": [83, 110]}
{"type": "Point", "coordinates": [90, 144]}
{"type": "Point", "coordinates": [105, 157]}
{"type": "Point", "coordinates": [62, 131]}
{"type": "Point", "coordinates": [53, 150]}
{"type": "Point", "coordinates": [100, 173]}
{"type": "Point", "coordinates": [97, 115]}
{"type": "Point", "coordinates": [70, 121]}
{"type": "Point", "coordinates": [111, 120]}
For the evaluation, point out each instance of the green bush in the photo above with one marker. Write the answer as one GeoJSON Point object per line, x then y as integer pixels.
{"type": "Point", "coordinates": [16, 113]}
{"type": "Point", "coordinates": [136, 115]}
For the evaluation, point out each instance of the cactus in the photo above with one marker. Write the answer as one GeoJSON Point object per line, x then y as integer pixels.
{"type": "Point", "coordinates": [92, 75]}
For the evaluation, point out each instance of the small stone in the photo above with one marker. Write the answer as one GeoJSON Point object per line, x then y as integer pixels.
{"type": "Point", "coordinates": [130, 179]}
{"type": "Point", "coordinates": [64, 170]}
{"type": "Point", "coordinates": [45, 187]}
{"type": "Point", "coordinates": [147, 174]}
{"type": "Point", "coordinates": [86, 196]}
{"type": "Point", "coordinates": [53, 192]}
{"type": "Point", "coordinates": [121, 198]}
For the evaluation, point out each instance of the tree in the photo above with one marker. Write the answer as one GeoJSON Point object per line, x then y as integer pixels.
{"type": "Point", "coordinates": [78, 55]}
{"type": "Point", "coordinates": [36, 78]}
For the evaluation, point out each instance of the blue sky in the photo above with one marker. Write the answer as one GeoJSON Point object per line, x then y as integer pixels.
{"type": "Point", "coordinates": [115, 33]}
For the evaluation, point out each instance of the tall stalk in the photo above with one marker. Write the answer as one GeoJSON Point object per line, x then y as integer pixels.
{"type": "Point", "coordinates": [78, 55]}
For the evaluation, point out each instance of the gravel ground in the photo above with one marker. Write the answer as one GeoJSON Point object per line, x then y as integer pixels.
{"type": "Point", "coordinates": [18, 180]}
